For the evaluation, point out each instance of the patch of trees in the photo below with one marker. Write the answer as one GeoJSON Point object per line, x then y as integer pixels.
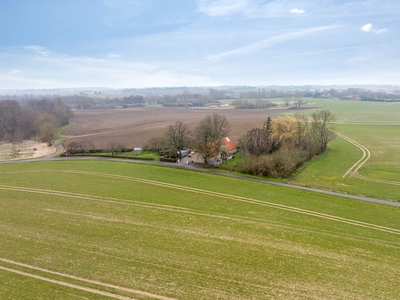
{"type": "Point", "coordinates": [283, 144]}
{"type": "Point", "coordinates": [187, 99]}
{"type": "Point", "coordinates": [37, 119]}
{"type": "Point", "coordinates": [206, 138]}
{"type": "Point", "coordinates": [252, 104]}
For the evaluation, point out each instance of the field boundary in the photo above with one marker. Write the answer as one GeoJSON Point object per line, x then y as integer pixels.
{"type": "Point", "coordinates": [199, 191]}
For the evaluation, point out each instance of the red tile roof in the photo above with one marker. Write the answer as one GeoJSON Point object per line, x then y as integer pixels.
{"type": "Point", "coordinates": [230, 145]}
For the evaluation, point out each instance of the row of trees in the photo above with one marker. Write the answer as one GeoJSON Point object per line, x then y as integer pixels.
{"type": "Point", "coordinates": [252, 104]}
{"type": "Point", "coordinates": [283, 144]}
{"type": "Point", "coordinates": [206, 138]}
{"type": "Point", "coordinates": [37, 119]}
{"type": "Point", "coordinates": [277, 149]}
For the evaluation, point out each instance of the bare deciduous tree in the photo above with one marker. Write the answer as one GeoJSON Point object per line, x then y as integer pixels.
{"type": "Point", "coordinates": [156, 144]}
{"type": "Point", "coordinates": [256, 142]}
{"type": "Point", "coordinates": [322, 129]}
{"type": "Point", "coordinates": [177, 137]}
{"type": "Point", "coordinates": [209, 134]}
{"type": "Point", "coordinates": [115, 147]}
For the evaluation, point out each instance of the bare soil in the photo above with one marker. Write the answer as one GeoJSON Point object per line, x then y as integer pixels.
{"type": "Point", "coordinates": [24, 150]}
{"type": "Point", "coordinates": [134, 127]}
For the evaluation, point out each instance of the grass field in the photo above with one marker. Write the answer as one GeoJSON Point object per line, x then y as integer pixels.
{"type": "Point", "coordinates": [361, 112]}
{"type": "Point", "coordinates": [382, 169]}
{"type": "Point", "coordinates": [147, 232]}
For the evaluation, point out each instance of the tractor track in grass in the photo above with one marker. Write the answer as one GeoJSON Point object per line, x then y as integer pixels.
{"type": "Point", "coordinates": [76, 286]}
{"type": "Point", "coordinates": [67, 284]}
{"type": "Point", "coordinates": [220, 173]}
{"type": "Point", "coordinates": [193, 190]}
{"type": "Point", "coordinates": [353, 170]}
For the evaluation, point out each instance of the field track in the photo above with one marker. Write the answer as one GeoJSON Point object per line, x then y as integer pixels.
{"type": "Point", "coordinates": [193, 190]}
{"type": "Point", "coordinates": [96, 291]}
{"type": "Point", "coordinates": [353, 170]}
{"type": "Point", "coordinates": [75, 286]}
{"type": "Point", "coordinates": [366, 155]}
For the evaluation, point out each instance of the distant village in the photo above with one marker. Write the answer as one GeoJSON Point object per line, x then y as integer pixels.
{"type": "Point", "coordinates": [245, 96]}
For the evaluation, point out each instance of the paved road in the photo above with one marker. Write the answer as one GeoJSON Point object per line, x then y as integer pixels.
{"type": "Point", "coordinates": [197, 168]}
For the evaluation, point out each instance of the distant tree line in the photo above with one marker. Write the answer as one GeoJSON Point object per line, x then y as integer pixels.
{"type": "Point", "coordinates": [36, 119]}
{"type": "Point", "coordinates": [252, 104]}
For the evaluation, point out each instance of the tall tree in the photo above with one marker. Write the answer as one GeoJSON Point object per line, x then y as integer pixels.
{"type": "Point", "coordinates": [10, 119]}
{"type": "Point", "coordinates": [177, 136]}
{"type": "Point", "coordinates": [209, 134]}
{"type": "Point", "coordinates": [322, 129]}
{"type": "Point", "coordinates": [256, 142]}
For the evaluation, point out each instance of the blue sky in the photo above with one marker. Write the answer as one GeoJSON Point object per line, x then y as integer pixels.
{"type": "Point", "coordinates": [152, 43]}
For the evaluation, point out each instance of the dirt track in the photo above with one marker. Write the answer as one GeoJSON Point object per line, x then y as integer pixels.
{"type": "Point", "coordinates": [134, 127]}
{"type": "Point", "coordinates": [197, 191]}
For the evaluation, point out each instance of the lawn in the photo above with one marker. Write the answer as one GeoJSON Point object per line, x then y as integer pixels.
{"type": "Point", "coordinates": [187, 235]}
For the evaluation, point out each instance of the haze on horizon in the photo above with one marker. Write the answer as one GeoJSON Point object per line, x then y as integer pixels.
{"type": "Point", "coordinates": [149, 43]}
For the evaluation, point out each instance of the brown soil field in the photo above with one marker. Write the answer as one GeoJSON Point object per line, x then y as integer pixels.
{"type": "Point", "coordinates": [134, 127]}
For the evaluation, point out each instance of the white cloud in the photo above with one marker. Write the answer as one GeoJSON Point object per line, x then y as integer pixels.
{"type": "Point", "coordinates": [15, 72]}
{"type": "Point", "coordinates": [38, 50]}
{"type": "Point", "coordinates": [222, 7]}
{"type": "Point", "coordinates": [62, 70]}
{"type": "Point", "coordinates": [370, 28]}
{"type": "Point", "coordinates": [380, 30]}
{"type": "Point", "coordinates": [367, 27]}
{"type": "Point", "coordinates": [266, 43]}
{"type": "Point", "coordinates": [296, 11]}
{"type": "Point", "coordinates": [112, 55]}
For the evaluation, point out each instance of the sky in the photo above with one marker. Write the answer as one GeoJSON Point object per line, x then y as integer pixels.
{"type": "Point", "coordinates": [167, 43]}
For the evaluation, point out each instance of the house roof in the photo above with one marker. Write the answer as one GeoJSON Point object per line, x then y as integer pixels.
{"type": "Point", "coordinates": [230, 145]}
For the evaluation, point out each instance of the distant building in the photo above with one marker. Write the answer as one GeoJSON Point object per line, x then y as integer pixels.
{"type": "Point", "coordinates": [352, 97]}
{"type": "Point", "coordinates": [137, 151]}
{"type": "Point", "coordinates": [226, 151]}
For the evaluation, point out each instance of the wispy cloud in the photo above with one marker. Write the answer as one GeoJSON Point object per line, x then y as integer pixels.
{"type": "Point", "coordinates": [370, 28]}
{"type": "Point", "coordinates": [297, 11]}
{"type": "Point", "coordinates": [83, 71]}
{"type": "Point", "coordinates": [113, 56]}
{"type": "Point", "coordinates": [38, 50]}
{"type": "Point", "coordinates": [247, 8]}
{"type": "Point", "coordinates": [266, 43]}
{"type": "Point", "coordinates": [15, 72]}
{"type": "Point", "coordinates": [222, 7]}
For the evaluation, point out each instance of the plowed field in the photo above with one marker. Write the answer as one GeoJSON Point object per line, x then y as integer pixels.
{"type": "Point", "coordinates": [134, 127]}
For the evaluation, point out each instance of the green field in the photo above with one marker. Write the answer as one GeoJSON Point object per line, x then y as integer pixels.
{"type": "Point", "coordinates": [129, 229]}
{"type": "Point", "coordinates": [110, 230]}
{"type": "Point", "coordinates": [360, 112]}
{"type": "Point", "coordinates": [376, 126]}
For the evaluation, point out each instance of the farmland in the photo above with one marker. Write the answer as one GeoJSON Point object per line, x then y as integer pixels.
{"type": "Point", "coordinates": [134, 127]}
{"type": "Point", "coordinates": [147, 232]}
{"type": "Point", "coordinates": [376, 127]}
{"type": "Point", "coordinates": [108, 230]}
